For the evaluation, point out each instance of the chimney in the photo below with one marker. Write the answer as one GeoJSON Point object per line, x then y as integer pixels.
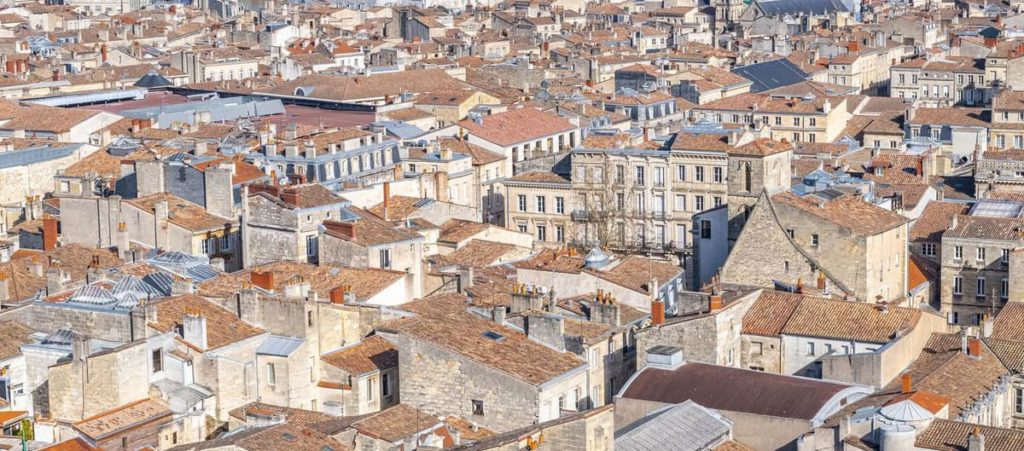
{"type": "Point", "coordinates": [264, 280]}
{"type": "Point", "coordinates": [974, 347]}
{"type": "Point", "coordinates": [822, 282]}
{"type": "Point", "coordinates": [987, 323]}
{"type": "Point", "coordinates": [194, 328]}
{"type": "Point", "coordinates": [340, 293]}
{"type": "Point", "coordinates": [498, 314]}
{"type": "Point", "coordinates": [56, 74]}
{"type": "Point", "coordinates": [103, 53]}
{"type": "Point", "coordinates": [387, 200]}
{"type": "Point", "coordinates": [346, 230]}
{"type": "Point", "coordinates": [79, 348]}
{"type": "Point", "coordinates": [465, 278]}
{"type": "Point", "coordinates": [290, 196]}
{"type": "Point", "coordinates": [5, 288]}
{"type": "Point", "coordinates": [441, 186]}
{"type": "Point", "coordinates": [715, 302]}
{"type": "Point", "coordinates": [908, 383]}
{"type": "Point", "coordinates": [399, 172]}
{"type": "Point", "coordinates": [657, 313]}
{"type": "Point", "coordinates": [799, 286]}
{"type": "Point", "coordinates": [180, 286]}
{"type": "Point", "coordinates": [976, 441]}
{"type": "Point", "coordinates": [605, 310]}
{"type": "Point", "coordinates": [49, 233]}
{"type": "Point", "coordinates": [37, 267]}
{"type": "Point", "coordinates": [122, 241]}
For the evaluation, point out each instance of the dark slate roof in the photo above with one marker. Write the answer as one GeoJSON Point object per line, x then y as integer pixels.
{"type": "Point", "coordinates": [734, 389]}
{"type": "Point", "coordinates": [794, 7]}
{"type": "Point", "coordinates": [153, 80]}
{"type": "Point", "coordinates": [771, 74]}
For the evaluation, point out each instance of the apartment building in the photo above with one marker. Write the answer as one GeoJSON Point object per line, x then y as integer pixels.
{"type": "Point", "coordinates": [799, 119]}
{"type": "Point", "coordinates": [864, 68]}
{"type": "Point", "coordinates": [956, 80]}
{"type": "Point", "coordinates": [976, 260]}
{"type": "Point", "coordinates": [1007, 128]}
{"type": "Point", "coordinates": [541, 204]}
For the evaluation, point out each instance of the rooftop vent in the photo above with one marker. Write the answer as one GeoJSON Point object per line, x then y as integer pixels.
{"type": "Point", "coordinates": [669, 357]}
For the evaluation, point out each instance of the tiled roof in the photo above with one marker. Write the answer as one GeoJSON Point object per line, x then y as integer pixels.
{"type": "Point", "coordinates": [372, 354]}
{"type": "Point", "coordinates": [364, 87]}
{"type": "Point", "coordinates": [366, 282]}
{"type": "Point", "coordinates": [222, 327]}
{"type": "Point", "coordinates": [516, 126]}
{"type": "Point", "coordinates": [182, 213]}
{"type": "Point", "coordinates": [770, 312]}
{"type": "Point", "coordinates": [371, 230]}
{"type": "Point", "coordinates": [968, 117]}
{"type": "Point", "coordinates": [457, 230]}
{"type": "Point", "coordinates": [101, 163]}
{"type": "Point", "coordinates": [75, 444]}
{"type": "Point", "coordinates": [514, 354]}
{"type": "Point", "coordinates": [935, 219]}
{"type": "Point", "coordinates": [1009, 323]}
{"type": "Point", "coordinates": [396, 423]}
{"type": "Point", "coordinates": [480, 155]}
{"type": "Point", "coordinates": [123, 418]}
{"type": "Point", "coordinates": [291, 415]}
{"type": "Point", "coordinates": [850, 212]}
{"type": "Point", "coordinates": [477, 253]}
{"type": "Point", "coordinates": [635, 272]}
{"type": "Point", "coordinates": [846, 320]}
{"type": "Point", "coordinates": [72, 258]}
{"type": "Point", "coordinates": [399, 207]}
{"type": "Point", "coordinates": [553, 260]}
{"type": "Point", "coordinates": [946, 435]}
{"type": "Point", "coordinates": [761, 147]}
{"type": "Point", "coordinates": [13, 334]}
{"type": "Point", "coordinates": [540, 177]}
{"type": "Point", "coordinates": [1004, 229]}
{"type": "Point", "coordinates": [921, 271]}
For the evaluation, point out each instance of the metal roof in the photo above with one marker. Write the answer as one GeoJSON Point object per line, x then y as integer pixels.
{"type": "Point", "coordinates": [33, 155]}
{"type": "Point", "coordinates": [92, 97]}
{"type": "Point", "coordinates": [279, 346]}
{"type": "Point", "coordinates": [684, 427]}
{"type": "Point", "coordinates": [794, 7]}
{"type": "Point", "coordinates": [771, 74]}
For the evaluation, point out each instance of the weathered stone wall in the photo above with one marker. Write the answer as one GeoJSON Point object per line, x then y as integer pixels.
{"type": "Point", "coordinates": [80, 390]}
{"type": "Point", "coordinates": [764, 254]}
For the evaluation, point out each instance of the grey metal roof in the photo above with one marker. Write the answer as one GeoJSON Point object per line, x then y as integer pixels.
{"type": "Point", "coordinates": [771, 74]}
{"type": "Point", "coordinates": [161, 281]}
{"type": "Point", "coordinates": [681, 427]}
{"type": "Point", "coordinates": [90, 98]}
{"type": "Point", "coordinates": [25, 157]}
{"type": "Point", "coordinates": [153, 80]}
{"type": "Point", "coordinates": [794, 7]}
{"type": "Point", "coordinates": [400, 129]}
{"type": "Point", "coordinates": [279, 346]}
{"type": "Point", "coordinates": [219, 109]}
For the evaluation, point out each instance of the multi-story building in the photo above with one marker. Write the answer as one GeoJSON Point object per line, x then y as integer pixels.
{"type": "Point", "coordinates": [522, 134]}
{"type": "Point", "coordinates": [976, 260]}
{"type": "Point", "coordinates": [961, 133]}
{"type": "Point", "coordinates": [953, 81]}
{"type": "Point", "coordinates": [999, 171]}
{"type": "Point", "coordinates": [283, 222]}
{"type": "Point", "coordinates": [866, 69]}
{"type": "Point", "coordinates": [1007, 128]}
{"type": "Point", "coordinates": [541, 204]}
{"type": "Point", "coordinates": [798, 119]}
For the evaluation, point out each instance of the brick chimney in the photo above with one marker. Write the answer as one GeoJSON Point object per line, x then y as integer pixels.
{"type": "Point", "coordinates": [346, 230]}
{"type": "Point", "coordinates": [973, 347]}
{"type": "Point", "coordinates": [49, 233]}
{"type": "Point", "coordinates": [387, 200]}
{"type": "Point", "coordinates": [264, 280]}
{"type": "Point", "coordinates": [441, 186]}
{"type": "Point", "coordinates": [822, 282]}
{"type": "Point", "coordinates": [657, 313]}
{"type": "Point", "coordinates": [605, 310]}
{"type": "Point", "coordinates": [291, 196]}
{"type": "Point", "coordinates": [908, 385]}
{"type": "Point", "coordinates": [103, 53]}
{"type": "Point", "coordinates": [715, 302]}
{"type": "Point", "coordinates": [338, 293]}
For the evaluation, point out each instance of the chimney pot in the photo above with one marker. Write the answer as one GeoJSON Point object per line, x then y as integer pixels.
{"type": "Point", "coordinates": [908, 386]}
{"type": "Point", "coordinates": [264, 280]}
{"type": "Point", "coordinates": [657, 313]}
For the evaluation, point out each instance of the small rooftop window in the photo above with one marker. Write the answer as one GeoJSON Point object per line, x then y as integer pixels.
{"type": "Point", "coordinates": [494, 336]}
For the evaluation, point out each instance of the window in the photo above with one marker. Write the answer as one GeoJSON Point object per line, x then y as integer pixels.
{"type": "Point", "coordinates": [796, 122]}
{"type": "Point", "coordinates": [698, 173]}
{"type": "Point", "coordinates": [158, 364]}
{"type": "Point", "coordinates": [478, 407]}
{"type": "Point", "coordinates": [705, 229]}
{"type": "Point", "coordinates": [979, 289]}
{"type": "Point", "coordinates": [778, 120]}
{"type": "Point", "coordinates": [698, 203]}
{"type": "Point", "coordinates": [814, 239]}
{"type": "Point", "coordinates": [717, 175]}
{"type": "Point", "coordinates": [206, 246]}
{"type": "Point", "coordinates": [271, 374]}
{"type": "Point", "coordinates": [1018, 401]}
{"type": "Point", "coordinates": [980, 254]}
{"type": "Point", "coordinates": [385, 384]}
{"type": "Point", "coordinates": [791, 233]}
{"type": "Point", "coordinates": [541, 207]}
{"type": "Point", "coordinates": [680, 202]}
{"type": "Point", "coordinates": [639, 179]}
{"type": "Point", "coordinates": [958, 252]}
{"type": "Point", "coordinates": [1004, 289]}
{"type": "Point", "coordinates": [560, 233]}
{"type": "Point", "coordinates": [810, 348]}
{"type": "Point", "coordinates": [1004, 256]}
{"type": "Point", "coordinates": [560, 205]}
{"type": "Point", "coordinates": [659, 204]}
{"type": "Point", "coordinates": [812, 122]}
{"type": "Point", "coordinates": [958, 285]}
{"type": "Point", "coordinates": [522, 202]}
{"type": "Point", "coordinates": [659, 176]}
{"type": "Point", "coordinates": [522, 227]}
{"type": "Point", "coordinates": [309, 318]}
{"type": "Point", "coordinates": [640, 202]}
{"type": "Point", "coordinates": [928, 249]}
{"type": "Point", "coordinates": [717, 201]}
{"type": "Point", "coordinates": [620, 201]}
{"type": "Point", "coordinates": [756, 348]}
{"type": "Point", "coordinates": [311, 245]}
{"type": "Point", "coordinates": [828, 348]}
{"type": "Point", "coordinates": [385, 258]}
{"type": "Point", "coordinates": [680, 173]}
{"type": "Point", "coordinates": [542, 233]}
{"type": "Point", "coordinates": [371, 388]}
{"type": "Point", "coordinates": [620, 174]}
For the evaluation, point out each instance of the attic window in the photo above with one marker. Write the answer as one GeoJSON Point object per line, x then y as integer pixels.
{"type": "Point", "coordinates": [494, 336]}
{"type": "Point", "coordinates": [289, 437]}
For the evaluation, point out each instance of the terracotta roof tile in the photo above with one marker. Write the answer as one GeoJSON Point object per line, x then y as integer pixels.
{"type": "Point", "coordinates": [366, 282]}
{"type": "Point", "coordinates": [13, 334]}
{"type": "Point", "coordinates": [222, 327]}
{"type": "Point", "coordinates": [850, 212]}
{"type": "Point", "coordinates": [946, 435]}
{"type": "Point", "coordinates": [516, 126]}
{"type": "Point", "coordinates": [372, 354]}
{"type": "Point", "coordinates": [181, 212]}
{"type": "Point", "coordinates": [123, 418]}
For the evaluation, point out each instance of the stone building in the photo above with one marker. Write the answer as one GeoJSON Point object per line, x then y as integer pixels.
{"type": "Point", "coordinates": [797, 119]}
{"type": "Point", "coordinates": [282, 223]}
{"type": "Point", "coordinates": [359, 378]}
{"type": "Point", "coordinates": [483, 371]}
{"type": "Point", "coordinates": [955, 81]}
{"type": "Point", "coordinates": [540, 204]}
{"type": "Point", "coordinates": [977, 258]}
{"type": "Point", "coordinates": [999, 171]}
{"type": "Point", "coordinates": [522, 134]}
